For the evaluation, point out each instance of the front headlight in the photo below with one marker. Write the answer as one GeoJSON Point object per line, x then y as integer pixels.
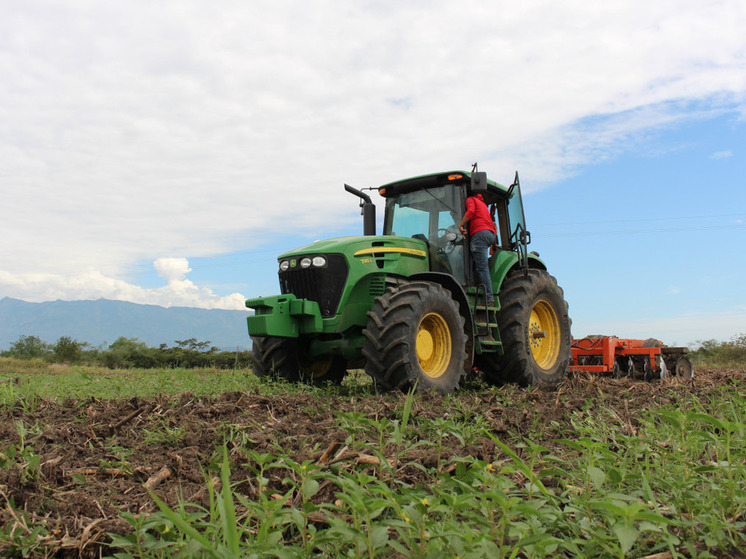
{"type": "Point", "coordinates": [319, 261]}
{"type": "Point", "coordinates": [284, 265]}
{"type": "Point", "coordinates": [305, 263]}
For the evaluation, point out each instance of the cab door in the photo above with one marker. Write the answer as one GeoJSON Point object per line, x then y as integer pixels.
{"type": "Point", "coordinates": [518, 234]}
{"type": "Point", "coordinates": [452, 247]}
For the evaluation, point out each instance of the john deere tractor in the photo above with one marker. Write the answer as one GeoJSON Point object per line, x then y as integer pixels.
{"type": "Point", "coordinates": [406, 304]}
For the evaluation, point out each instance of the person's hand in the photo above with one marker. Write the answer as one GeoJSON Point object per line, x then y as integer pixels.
{"type": "Point", "coordinates": [462, 229]}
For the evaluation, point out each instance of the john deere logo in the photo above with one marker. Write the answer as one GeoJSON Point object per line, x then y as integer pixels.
{"type": "Point", "coordinates": [293, 263]}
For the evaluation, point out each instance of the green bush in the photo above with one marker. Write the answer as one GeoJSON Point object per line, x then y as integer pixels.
{"type": "Point", "coordinates": [28, 347]}
{"type": "Point", "coordinates": [711, 353]}
{"type": "Point", "coordinates": [129, 353]}
{"type": "Point", "coordinates": [67, 350]}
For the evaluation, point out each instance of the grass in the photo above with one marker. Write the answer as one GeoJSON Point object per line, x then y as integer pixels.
{"type": "Point", "coordinates": [674, 483]}
{"type": "Point", "coordinates": [26, 380]}
{"type": "Point", "coordinates": [58, 382]}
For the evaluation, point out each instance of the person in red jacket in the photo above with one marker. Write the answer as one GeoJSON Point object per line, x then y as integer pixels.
{"type": "Point", "coordinates": [482, 235]}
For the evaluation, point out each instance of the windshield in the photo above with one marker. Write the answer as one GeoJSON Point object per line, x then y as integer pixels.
{"type": "Point", "coordinates": [431, 215]}
{"type": "Point", "coordinates": [423, 212]}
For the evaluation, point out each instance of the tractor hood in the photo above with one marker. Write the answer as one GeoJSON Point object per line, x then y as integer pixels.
{"type": "Point", "coordinates": [358, 246]}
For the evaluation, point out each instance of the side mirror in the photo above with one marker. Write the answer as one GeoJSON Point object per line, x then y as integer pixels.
{"type": "Point", "coordinates": [479, 182]}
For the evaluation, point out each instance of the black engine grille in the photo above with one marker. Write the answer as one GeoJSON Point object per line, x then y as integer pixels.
{"type": "Point", "coordinates": [323, 285]}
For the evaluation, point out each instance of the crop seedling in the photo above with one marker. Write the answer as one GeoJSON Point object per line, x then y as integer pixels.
{"type": "Point", "coordinates": [21, 536]}
{"type": "Point", "coordinates": [21, 456]}
{"type": "Point", "coordinates": [163, 433]}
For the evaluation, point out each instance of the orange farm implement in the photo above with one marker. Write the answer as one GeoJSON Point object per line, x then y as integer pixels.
{"type": "Point", "coordinates": [622, 357]}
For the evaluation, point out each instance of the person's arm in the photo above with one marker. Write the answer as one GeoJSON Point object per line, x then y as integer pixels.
{"type": "Point", "coordinates": [467, 216]}
{"type": "Point", "coordinates": [461, 225]}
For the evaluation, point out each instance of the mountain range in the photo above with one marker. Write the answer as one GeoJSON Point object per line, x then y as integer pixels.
{"type": "Point", "coordinates": [101, 322]}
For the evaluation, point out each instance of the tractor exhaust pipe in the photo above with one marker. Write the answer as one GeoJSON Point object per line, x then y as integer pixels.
{"type": "Point", "coordinates": [368, 210]}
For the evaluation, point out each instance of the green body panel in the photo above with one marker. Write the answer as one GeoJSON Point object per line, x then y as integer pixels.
{"type": "Point", "coordinates": [370, 260]}
{"type": "Point", "coordinates": [504, 261]}
{"type": "Point", "coordinates": [288, 316]}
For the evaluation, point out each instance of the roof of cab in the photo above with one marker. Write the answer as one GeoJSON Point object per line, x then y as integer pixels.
{"type": "Point", "coordinates": [435, 179]}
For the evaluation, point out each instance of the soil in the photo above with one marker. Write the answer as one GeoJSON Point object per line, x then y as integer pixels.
{"type": "Point", "coordinates": [97, 456]}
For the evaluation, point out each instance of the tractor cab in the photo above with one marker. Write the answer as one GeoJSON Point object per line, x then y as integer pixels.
{"type": "Point", "coordinates": [430, 207]}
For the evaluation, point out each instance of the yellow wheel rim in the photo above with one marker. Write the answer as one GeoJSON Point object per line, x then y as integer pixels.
{"type": "Point", "coordinates": [544, 334]}
{"type": "Point", "coordinates": [433, 345]}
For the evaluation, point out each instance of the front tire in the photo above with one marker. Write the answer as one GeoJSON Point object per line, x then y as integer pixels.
{"type": "Point", "coordinates": [415, 334]}
{"type": "Point", "coordinates": [534, 329]}
{"type": "Point", "coordinates": [284, 358]}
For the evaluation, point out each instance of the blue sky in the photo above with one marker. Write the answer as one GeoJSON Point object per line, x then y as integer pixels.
{"type": "Point", "coordinates": [165, 153]}
{"type": "Point", "coordinates": [650, 242]}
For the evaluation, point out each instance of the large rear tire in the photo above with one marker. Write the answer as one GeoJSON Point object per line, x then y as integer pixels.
{"type": "Point", "coordinates": [535, 331]}
{"type": "Point", "coordinates": [284, 358]}
{"type": "Point", "coordinates": [415, 334]}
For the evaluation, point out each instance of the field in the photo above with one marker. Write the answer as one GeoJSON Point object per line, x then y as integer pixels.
{"type": "Point", "coordinates": [218, 464]}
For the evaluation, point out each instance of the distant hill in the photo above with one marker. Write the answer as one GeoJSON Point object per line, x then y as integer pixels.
{"type": "Point", "coordinates": [103, 321]}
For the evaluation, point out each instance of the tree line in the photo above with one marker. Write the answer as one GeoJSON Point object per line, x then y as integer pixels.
{"type": "Point", "coordinates": [127, 353]}
{"type": "Point", "coordinates": [721, 354]}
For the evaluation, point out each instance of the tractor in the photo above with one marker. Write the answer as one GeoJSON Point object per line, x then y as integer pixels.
{"type": "Point", "coordinates": [406, 305]}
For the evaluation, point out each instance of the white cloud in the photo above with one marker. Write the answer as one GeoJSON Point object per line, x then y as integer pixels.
{"type": "Point", "coordinates": [722, 154]}
{"type": "Point", "coordinates": [180, 292]}
{"type": "Point", "coordinates": [135, 129]}
{"type": "Point", "coordinates": [172, 269]}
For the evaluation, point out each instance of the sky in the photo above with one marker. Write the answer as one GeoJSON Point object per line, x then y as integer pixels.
{"type": "Point", "coordinates": [166, 152]}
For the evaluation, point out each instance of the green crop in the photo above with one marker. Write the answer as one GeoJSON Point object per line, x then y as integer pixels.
{"type": "Point", "coordinates": [677, 484]}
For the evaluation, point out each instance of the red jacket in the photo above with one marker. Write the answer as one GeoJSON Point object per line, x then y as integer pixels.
{"type": "Point", "coordinates": [479, 216]}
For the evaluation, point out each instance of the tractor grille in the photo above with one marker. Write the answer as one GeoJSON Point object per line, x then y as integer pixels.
{"type": "Point", "coordinates": [323, 285]}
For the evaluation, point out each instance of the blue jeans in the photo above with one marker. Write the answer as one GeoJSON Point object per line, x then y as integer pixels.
{"type": "Point", "coordinates": [480, 246]}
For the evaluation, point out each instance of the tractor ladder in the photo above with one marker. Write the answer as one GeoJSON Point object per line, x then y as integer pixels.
{"type": "Point", "coordinates": [486, 333]}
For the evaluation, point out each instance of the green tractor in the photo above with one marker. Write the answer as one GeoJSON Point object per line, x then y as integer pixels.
{"type": "Point", "coordinates": [406, 305]}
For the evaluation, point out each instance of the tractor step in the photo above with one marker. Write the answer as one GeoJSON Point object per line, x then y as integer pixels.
{"type": "Point", "coordinates": [485, 325]}
{"type": "Point", "coordinates": [485, 321]}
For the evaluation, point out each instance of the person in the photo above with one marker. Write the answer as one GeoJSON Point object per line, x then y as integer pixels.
{"type": "Point", "coordinates": [482, 235]}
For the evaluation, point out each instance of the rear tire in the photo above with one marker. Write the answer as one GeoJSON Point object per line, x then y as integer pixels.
{"type": "Point", "coordinates": [415, 334]}
{"type": "Point", "coordinates": [535, 331]}
{"type": "Point", "coordinates": [283, 358]}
